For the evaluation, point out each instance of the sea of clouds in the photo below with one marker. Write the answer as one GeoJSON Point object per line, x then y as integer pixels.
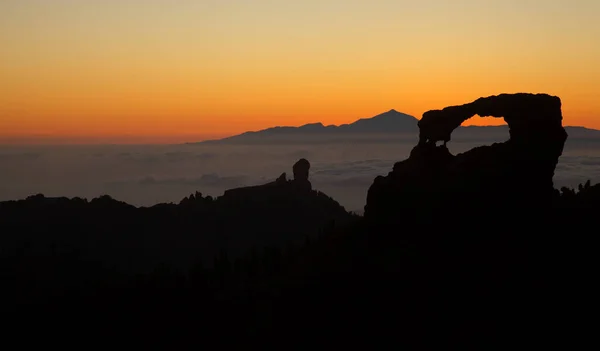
{"type": "Point", "coordinates": [147, 175]}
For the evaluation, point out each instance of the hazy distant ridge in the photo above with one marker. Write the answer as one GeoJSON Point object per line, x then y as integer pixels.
{"type": "Point", "coordinates": [391, 122]}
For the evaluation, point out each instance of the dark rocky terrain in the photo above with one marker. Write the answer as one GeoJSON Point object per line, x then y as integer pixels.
{"type": "Point", "coordinates": [490, 176]}
{"type": "Point", "coordinates": [477, 249]}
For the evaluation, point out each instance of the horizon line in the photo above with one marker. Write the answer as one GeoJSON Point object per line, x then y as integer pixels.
{"type": "Point", "coordinates": [3, 144]}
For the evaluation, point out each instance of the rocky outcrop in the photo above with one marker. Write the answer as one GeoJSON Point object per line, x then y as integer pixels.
{"type": "Point", "coordinates": [529, 116]}
{"type": "Point", "coordinates": [282, 178]}
{"type": "Point", "coordinates": [283, 209]}
{"type": "Point", "coordinates": [518, 171]}
{"type": "Point", "coordinates": [301, 170]}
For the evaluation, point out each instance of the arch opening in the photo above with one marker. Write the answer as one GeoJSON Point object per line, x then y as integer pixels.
{"type": "Point", "coordinates": [478, 131]}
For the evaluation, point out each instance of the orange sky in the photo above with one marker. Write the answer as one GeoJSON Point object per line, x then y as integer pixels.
{"type": "Point", "coordinates": [161, 71]}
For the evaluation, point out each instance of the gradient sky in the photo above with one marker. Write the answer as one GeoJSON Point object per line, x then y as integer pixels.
{"type": "Point", "coordinates": [182, 70]}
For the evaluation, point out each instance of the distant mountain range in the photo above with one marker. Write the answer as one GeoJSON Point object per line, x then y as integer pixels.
{"type": "Point", "coordinates": [384, 127]}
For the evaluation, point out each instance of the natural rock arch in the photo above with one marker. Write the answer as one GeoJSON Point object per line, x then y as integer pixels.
{"type": "Point", "coordinates": [528, 116]}
{"type": "Point", "coordinates": [517, 172]}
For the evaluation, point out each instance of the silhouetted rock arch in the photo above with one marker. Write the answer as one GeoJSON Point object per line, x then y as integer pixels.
{"type": "Point", "coordinates": [514, 173]}
{"type": "Point", "coordinates": [528, 116]}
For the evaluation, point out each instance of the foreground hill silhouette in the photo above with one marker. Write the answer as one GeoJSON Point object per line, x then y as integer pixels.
{"type": "Point", "coordinates": [136, 240]}
{"type": "Point", "coordinates": [471, 249]}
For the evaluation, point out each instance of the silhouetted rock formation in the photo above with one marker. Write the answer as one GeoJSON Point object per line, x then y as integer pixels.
{"type": "Point", "coordinates": [483, 176]}
{"type": "Point", "coordinates": [282, 178]}
{"type": "Point", "coordinates": [301, 171]}
{"type": "Point", "coordinates": [300, 182]}
{"type": "Point", "coordinates": [289, 204]}
{"type": "Point", "coordinates": [529, 116]}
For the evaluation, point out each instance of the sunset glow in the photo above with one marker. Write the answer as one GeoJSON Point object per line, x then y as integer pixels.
{"type": "Point", "coordinates": [145, 71]}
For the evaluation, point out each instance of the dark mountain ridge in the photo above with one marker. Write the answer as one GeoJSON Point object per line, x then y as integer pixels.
{"type": "Point", "coordinates": [380, 127]}
{"type": "Point", "coordinates": [391, 121]}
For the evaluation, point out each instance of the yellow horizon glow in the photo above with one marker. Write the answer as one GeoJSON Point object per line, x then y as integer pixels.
{"type": "Point", "coordinates": [162, 71]}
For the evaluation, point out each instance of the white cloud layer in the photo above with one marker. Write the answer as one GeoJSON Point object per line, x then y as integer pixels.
{"type": "Point", "coordinates": [146, 175]}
